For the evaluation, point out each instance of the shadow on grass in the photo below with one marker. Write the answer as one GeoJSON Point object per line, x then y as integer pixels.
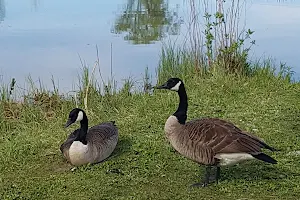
{"type": "Point", "coordinates": [254, 171]}
{"type": "Point", "coordinates": [124, 145]}
{"type": "Point", "coordinates": [58, 163]}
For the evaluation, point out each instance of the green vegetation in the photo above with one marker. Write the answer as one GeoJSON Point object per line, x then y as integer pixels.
{"type": "Point", "coordinates": [144, 166]}
{"type": "Point", "coordinates": [221, 82]}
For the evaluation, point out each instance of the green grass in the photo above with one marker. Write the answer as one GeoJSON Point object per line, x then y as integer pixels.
{"type": "Point", "coordinates": [144, 165]}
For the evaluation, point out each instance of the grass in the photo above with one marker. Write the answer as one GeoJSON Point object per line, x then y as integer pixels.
{"type": "Point", "coordinates": [144, 165]}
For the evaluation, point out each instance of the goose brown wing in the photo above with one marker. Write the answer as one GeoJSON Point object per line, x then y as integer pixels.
{"type": "Point", "coordinates": [102, 132]}
{"type": "Point", "coordinates": [221, 136]}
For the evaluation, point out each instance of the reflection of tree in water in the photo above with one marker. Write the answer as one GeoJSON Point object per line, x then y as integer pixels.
{"type": "Point", "coordinates": [2, 10]}
{"type": "Point", "coordinates": [35, 4]}
{"type": "Point", "coordinates": [146, 21]}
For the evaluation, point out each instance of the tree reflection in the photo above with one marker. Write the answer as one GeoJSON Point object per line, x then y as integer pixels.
{"type": "Point", "coordinates": [145, 21]}
{"type": "Point", "coordinates": [2, 10]}
{"type": "Point", "coordinates": [35, 4]}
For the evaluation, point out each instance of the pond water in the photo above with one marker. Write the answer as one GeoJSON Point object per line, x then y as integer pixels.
{"type": "Point", "coordinates": [45, 38]}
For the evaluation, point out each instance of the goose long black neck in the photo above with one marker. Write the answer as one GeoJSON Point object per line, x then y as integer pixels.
{"type": "Point", "coordinates": [83, 130]}
{"type": "Point", "coordinates": [181, 112]}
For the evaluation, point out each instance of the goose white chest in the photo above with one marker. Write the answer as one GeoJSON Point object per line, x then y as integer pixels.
{"type": "Point", "coordinates": [172, 128]}
{"type": "Point", "coordinates": [78, 153]}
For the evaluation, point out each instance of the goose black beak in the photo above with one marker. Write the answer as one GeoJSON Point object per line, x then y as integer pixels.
{"type": "Point", "coordinates": [163, 86]}
{"type": "Point", "coordinates": [69, 122]}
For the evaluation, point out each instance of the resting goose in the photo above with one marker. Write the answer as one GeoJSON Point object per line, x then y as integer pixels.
{"type": "Point", "coordinates": [85, 145]}
{"type": "Point", "coordinates": [210, 141]}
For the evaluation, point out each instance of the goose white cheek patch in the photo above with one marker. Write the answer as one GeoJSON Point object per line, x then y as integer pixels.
{"type": "Point", "coordinates": [80, 116]}
{"type": "Point", "coordinates": [176, 87]}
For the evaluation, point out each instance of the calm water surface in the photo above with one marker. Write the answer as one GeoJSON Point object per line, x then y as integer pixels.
{"type": "Point", "coordinates": [48, 37]}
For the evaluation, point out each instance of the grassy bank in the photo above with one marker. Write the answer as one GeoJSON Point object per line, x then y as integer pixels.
{"type": "Point", "coordinates": [144, 166]}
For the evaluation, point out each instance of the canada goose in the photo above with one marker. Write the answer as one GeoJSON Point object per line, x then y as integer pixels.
{"type": "Point", "coordinates": [210, 141]}
{"type": "Point", "coordinates": [85, 145]}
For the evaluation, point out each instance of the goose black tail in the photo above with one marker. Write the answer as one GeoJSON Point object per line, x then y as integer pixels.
{"type": "Point", "coordinates": [269, 147]}
{"type": "Point", "coordinates": [265, 158]}
{"type": "Point", "coordinates": [113, 122]}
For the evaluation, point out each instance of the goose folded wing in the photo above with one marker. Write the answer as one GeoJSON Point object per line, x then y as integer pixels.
{"type": "Point", "coordinates": [69, 140]}
{"type": "Point", "coordinates": [102, 132]}
{"type": "Point", "coordinates": [222, 137]}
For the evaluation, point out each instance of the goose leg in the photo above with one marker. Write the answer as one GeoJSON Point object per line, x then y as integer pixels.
{"type": "Point", "coordinates": [208, 178]}
{"type": "Point", "coordinates": [216, 176]}
{"type": "Point", "coordinates": [218, 173]}
{"type": "Point", "coordinates": [205, 181]}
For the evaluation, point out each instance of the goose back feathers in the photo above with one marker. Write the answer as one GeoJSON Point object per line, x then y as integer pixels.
{"type": "Point", "coordinates": [89, 145]}
{"type": "Point", "coordinates": [213, 141]}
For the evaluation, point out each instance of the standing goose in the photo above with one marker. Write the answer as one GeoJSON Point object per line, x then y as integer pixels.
{"type": "Point", "coordinates": [210, 141]}
{"type": "Point", "coordinates": [85, 145]}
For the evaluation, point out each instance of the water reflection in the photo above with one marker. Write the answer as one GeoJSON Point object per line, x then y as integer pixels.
{"type": "Point", "coordinates": [2, 10]}
{"type": "Point", "coordinates": [146, 21]}
{"type": "Point", "coordinates": [35, 4]}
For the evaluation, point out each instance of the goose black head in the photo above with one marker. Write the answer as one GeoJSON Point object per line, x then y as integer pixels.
{"type": "Point", "coordinates": [76, 115]}
{"type": "Point", "coordinates": [173, 84]}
